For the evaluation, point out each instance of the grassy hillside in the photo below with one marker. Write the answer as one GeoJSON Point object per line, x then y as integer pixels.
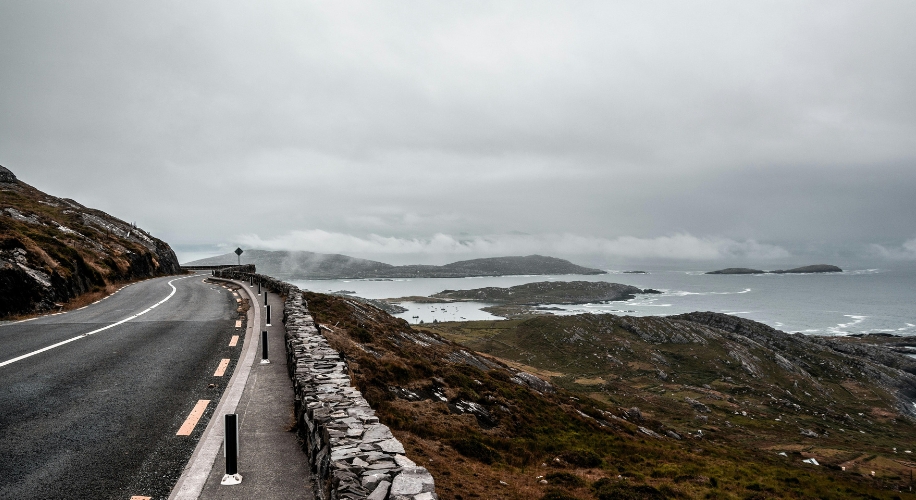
{"type": "Point", "coordinates": [53, 250]}
{"type": "Point", "coordinates": [634, 408]}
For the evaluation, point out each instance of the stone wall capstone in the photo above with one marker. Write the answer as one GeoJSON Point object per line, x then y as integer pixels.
{"type": "Point", "coordinates": [352, 454]}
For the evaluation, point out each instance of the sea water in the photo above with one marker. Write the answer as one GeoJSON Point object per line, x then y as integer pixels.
{"type": "Point", "coordinates": [854, 301]}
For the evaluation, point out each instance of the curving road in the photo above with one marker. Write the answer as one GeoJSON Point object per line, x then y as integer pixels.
{"type": "Point", "coordinates": [96, 416]}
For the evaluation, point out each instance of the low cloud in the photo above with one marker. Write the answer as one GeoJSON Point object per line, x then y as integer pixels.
{"type": "Point", "coordinates": [681, 246]}
{"type": "Point", "coordinates": [906, 251]}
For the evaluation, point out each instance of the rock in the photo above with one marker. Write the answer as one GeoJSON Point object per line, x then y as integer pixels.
{"type": "Point", "coordinates": [378, 432]}
{"type": "Point", "coordinates": [380, 492]}
{"type": "Point", "coordinates": [532, 381]}
{"type": "Point", "coordinates": [403, 461]}
{"type": "Point", "coordinates": [412, 481]}
{"type": "Point", "coordinates": [650, 432]}
{"type": "Point", "coordinates": [809, 433]}
{"type": "Point", "coordinates": [6, 175]}
{"type": "Point", "coordinates": [391, 446]}
{"type": "Point", "coordinates": [698, 406]}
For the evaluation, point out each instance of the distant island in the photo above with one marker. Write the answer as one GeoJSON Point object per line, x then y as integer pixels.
{"type": "Point", "coordinates": [737, 270]}
{"type": "Point", "coordinates": [309, 265]}
{"type": "Point", "coordinates": [635, 272]}
{"type": "Point", "coordinates": [817, 268]}
{"type": "Point", "coordinates": [522, 300]}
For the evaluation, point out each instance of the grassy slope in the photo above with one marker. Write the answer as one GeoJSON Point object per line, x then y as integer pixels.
{"type": "Point", "coordinates": [585, 433]}
{"type": "Point", "coordinates": [80, 258]}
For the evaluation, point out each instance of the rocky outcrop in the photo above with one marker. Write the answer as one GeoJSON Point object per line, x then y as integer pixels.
{"type": "Point", "coordinates": [6, 176]}
{"type": "Point", "coordinates": [352, 454]}
{"type": "Point", "coordinates": [54, 249]}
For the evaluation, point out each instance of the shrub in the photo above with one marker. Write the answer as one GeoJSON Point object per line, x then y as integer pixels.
{"type": "Point", "coordinates": [472, 447]}
{"type": "Point", "coordinates": [582, 458]}
{"type": "Point", "coordinates": [623, 490]}
{"type": "Point", "coordinates": [557, 495]}
{"type": "Point", "coordinates": [564, 479]}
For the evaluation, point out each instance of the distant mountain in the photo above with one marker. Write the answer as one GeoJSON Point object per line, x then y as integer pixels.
{"type": "Point", "coordinates": [310, 265]}
{"type": "Point", "coordinates": [54, 249]}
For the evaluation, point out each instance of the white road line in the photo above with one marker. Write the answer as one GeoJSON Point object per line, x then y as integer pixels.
{"type": "Point", "coordinates": [125, 320]}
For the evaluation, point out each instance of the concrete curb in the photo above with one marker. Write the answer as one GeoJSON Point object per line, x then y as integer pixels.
{"type": "Point", "coordinates": [195, 474]}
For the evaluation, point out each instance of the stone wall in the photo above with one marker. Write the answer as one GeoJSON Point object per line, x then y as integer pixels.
{"type": "Point", "coordinates": [352, 455]}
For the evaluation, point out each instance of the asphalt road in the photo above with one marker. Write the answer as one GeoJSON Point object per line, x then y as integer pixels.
{"type": "Point", "coordinates": [97, 417]}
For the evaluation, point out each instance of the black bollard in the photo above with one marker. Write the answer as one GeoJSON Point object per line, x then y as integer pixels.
{"type": "Point", "coordinates": [231, 451]}
{"type": "Point", "coordinates": [264, 360]}
{"type": "Point", "coordinates": [268, 315]}
{"type": "Point", "coordinates": [259, 287]}
{"type": "Point", "coordinates": [265, 297]}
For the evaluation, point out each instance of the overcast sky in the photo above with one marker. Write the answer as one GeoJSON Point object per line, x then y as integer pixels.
{"type": "Point", "coordinates": [604, 132]}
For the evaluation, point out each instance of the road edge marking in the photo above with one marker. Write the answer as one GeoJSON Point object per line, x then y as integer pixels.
{"type": "Point", "coordinates": [191, 422]}
{"type": "Point", "coordinates": [78, 337]}
{"type": "Point", "coordinates": [221, 369]}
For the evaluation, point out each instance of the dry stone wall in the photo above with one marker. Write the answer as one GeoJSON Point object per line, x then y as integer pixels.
{"type": "Point", "coordinates": [352, 454]}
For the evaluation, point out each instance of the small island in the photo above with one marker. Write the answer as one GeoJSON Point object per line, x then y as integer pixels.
{"type": "Point", "coordinates": [529, 299]}
{"type": "Point", "coordinates": [817, 268]}
{"type": "Point", "coordinates": [737, 270]}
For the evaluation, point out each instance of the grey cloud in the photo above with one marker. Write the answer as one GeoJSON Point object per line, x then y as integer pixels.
{"type": "Point", "coordinates": [786, 123]}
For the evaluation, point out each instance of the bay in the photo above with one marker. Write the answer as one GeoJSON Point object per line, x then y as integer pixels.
{"type": "Point", "coordinates": [854, 301]}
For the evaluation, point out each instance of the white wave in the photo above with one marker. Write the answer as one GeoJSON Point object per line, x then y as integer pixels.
{"type": "Point", "coordinates": [680, 293]}
{"type": "Point", "coordinates": [843, 328]}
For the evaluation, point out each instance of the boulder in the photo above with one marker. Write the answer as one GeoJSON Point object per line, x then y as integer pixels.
{"type": "Point", "coordinates": [6, 175]}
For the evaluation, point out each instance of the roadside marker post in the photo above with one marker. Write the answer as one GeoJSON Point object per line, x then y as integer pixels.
{"type": "Point", "coordinates": [259, 286]}
{"type": "Point", "coordinates": [264, 360]}
{"type": "Point", "coordinates": [231, 451]}
{"type": "Point", "coordinates": [268, 315]}
{"type": "Point", "coordinates": [265, 298]}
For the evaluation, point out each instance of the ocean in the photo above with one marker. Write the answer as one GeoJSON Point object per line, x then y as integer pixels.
{"type": "Point", "coordinates": [851, 302]}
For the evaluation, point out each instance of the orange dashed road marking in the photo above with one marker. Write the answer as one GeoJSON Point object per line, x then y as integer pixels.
{"type": "Point", "coordinates": [221, 369]}
{"type": "Point", "coordinates": [193, 418]}
{"type": "Point", "coordinates": [234, 342]}
{"type": "Point", "coordinates": [238, 323]}
{"type": "Point", "coordinates": [137, 497]}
